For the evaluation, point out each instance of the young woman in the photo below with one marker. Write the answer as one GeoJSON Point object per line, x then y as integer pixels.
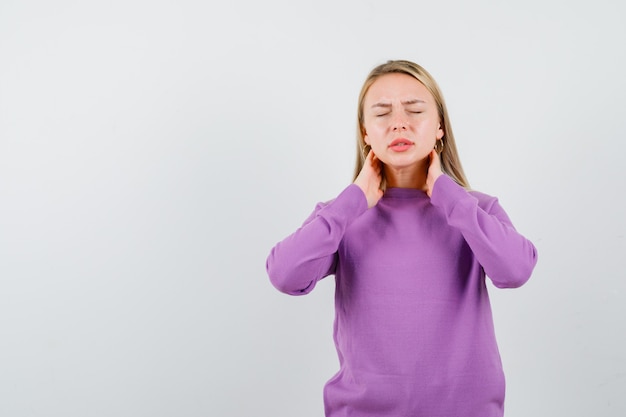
{"type": "Point", "coordinates": [410, 247]}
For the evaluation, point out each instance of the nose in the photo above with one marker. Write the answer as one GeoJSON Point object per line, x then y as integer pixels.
{"type": "Point", "coordinates": [399, 123]}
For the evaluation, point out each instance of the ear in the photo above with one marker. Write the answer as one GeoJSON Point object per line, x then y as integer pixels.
{"type": "Point", "coordinates": [440, 132]}
{"type": "Point", "coordinates": [366, 139]}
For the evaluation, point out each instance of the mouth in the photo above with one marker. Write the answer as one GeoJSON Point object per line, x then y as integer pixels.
{"type": "Point", "coordinates": [400, 145]}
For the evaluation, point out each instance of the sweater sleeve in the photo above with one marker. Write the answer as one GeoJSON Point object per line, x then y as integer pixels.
{"type": "Point", "coordinates": [296, 263]}
{"type": "Point", "coordinates": [507, 257]}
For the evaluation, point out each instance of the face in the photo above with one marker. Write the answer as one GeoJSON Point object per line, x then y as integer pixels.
{"type": "Point", "coordinates": [401, 120]}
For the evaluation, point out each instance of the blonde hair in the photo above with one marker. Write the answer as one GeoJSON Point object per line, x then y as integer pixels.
{"type": "Point", "coordinates": [450, 162]}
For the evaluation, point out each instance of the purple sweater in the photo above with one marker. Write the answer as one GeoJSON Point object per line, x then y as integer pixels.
{"type": "Point", "coordinates": [413, 324]}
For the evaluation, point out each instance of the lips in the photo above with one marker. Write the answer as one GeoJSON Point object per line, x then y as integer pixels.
{"type": "Point", "coordinates": [400, 145]}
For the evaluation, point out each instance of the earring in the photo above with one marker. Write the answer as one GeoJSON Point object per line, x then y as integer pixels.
{"type": "Point", "coordinates": [439, 146]}
{"type": "Point", "coordinates": [365, 150]}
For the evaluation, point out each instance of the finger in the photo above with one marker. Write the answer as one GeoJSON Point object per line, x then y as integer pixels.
{"type": "Point", "coordinates": [377, 161]}
{"type": "Point", "coordinates": [374, 162]}
{"type": "Point", "coordinates": [434, 157]}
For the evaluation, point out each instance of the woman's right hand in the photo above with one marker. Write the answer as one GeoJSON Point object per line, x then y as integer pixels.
{"type": "Point", "coordinates": [369, 179]}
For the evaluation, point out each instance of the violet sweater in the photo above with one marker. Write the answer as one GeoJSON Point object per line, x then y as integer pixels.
{"type": "Point", "coordinates": [413, 325]}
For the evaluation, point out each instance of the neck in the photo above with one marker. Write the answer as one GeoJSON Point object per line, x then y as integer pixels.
{"type": "Point", "coordinates": [407, 177]}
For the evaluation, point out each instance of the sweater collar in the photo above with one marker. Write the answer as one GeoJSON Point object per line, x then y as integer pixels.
{"type": "Point", "coordinates": [404, 193]}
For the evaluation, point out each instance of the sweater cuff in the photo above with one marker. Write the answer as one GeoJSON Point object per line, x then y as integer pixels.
{"type": "Point", "coordinates": [349, 204]}
{"type": "Point", "coordinates": [447, 194]}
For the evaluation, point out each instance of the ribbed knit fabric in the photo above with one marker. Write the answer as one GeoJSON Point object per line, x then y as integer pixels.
{"type": "Point", "coordinates": [413, 325]}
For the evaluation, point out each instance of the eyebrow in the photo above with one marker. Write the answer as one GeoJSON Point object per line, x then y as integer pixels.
{"type": "Point", "coordinates": [405, 102]}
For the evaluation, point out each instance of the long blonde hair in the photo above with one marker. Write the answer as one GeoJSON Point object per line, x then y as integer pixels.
{"type": "Point", "coordinates": [450, 162]}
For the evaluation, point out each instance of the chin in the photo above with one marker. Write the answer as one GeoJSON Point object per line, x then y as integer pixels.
{"type": "Point", "coordinates": [404, 161]}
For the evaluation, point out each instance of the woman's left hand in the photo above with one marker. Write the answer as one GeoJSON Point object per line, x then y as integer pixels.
{"type": "Point", "coordinates": [434, 172]}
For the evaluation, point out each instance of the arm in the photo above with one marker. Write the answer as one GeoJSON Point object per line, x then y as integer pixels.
{"type": "Point", "coordinates": [296, 263]}
{"type": "Point", "coordinates": [310, 253]}
{"type": "Point", "coordinates": [507, 257]}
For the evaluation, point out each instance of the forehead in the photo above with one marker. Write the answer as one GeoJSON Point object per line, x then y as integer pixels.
{"type": "Point", "coordinates": [397, 86]}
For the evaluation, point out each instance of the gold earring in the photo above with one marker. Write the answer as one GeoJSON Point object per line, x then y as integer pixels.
{"type": "Point", "coordinates": [365, 150]}
{"type": "Point", "coordinates": [439, 146]}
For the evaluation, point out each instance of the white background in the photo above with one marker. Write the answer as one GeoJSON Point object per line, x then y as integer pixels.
{"type": "Point", "coordinates": [152, 153]}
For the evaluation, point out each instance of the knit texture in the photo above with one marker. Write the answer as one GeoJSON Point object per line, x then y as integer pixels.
{"type": "Point", "coordinates": [413, 323]}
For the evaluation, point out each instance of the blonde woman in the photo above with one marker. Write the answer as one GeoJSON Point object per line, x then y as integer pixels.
{"type": "Point", "coordinates": [410, 247]}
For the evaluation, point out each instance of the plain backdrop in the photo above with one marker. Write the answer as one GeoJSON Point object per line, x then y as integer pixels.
{"type": "Point", "coordinates": [153, 152]}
